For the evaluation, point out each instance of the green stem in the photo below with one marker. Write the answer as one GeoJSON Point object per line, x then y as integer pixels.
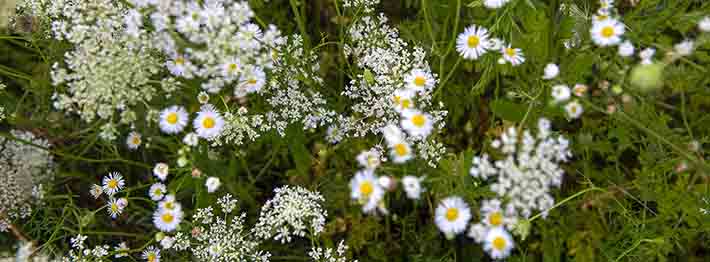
{"type": "Point", "coordinates": [566, 200]}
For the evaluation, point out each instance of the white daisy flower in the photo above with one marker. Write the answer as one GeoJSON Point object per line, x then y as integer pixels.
{"type": "Point", "coordinates": [167, 220]}
{"type": "Point", "coordinates": [113, 183]}
{"type": "Point", "coordinates": [169, 203]}
{"type": "Point", "coordinates": [419, 80]}
{"type": "Point", "coordinates": [151, 254]}
{"type": "Point", "coordinates": [369, 159]}
{"type": "Point", "coordinates": [494, 4]}
{"type": "Point", "coordinates": [607, 32]}
{"type": "Point", "coordinates": [400, 151]}
{"type": "Point", "coordinates": [161, 171]}
{"type": "Point", "coordinates": [561, 93]}
{"type": "Point", "coordinates": [393, 134]}
{"type": "Point", "coordinates": [114, 208]}
{"type": "Point", "coordinates": [96, 191]}
{"type": "Point", "coordinates": [212, 184]}
{"type": "Point", "coordinates": [452, 216]}
{"type": "Point", "coordinates": [403, 99]}
{"type": "Point", "coordinates": [551, 71]}
{"type": "Point", "coordinates": [180, 66]}
{"type": "Point", "coordinates": [173, 119]}
{"type": "Point", "coordinates": [514, 56]}
{"type": "Point", "coordinates": [647, 56]}
{"type": "Point", "coordinates": [412, 186]}
{"type": "Point", "coordinates": [157, 191]}
{"type": "Point", "coordinates": [133, 141]}
{"type": "Point", "coordinates": [704, 24]}
{"type": "Point", "coordinates": [231, 68]}
{"type": "Point", "coordinates": [574, 109]}
{"type": "Point", "coordinates": [203, 97]}
{"type": "Point", "coordinates": [417, 123]}
{"type": "Point", "coordinates": [365, 188]}
{"type": "Point", "coordinates": [253, 80]}
{"type": "Point", "coordinates": [626, 49]}
{"type": "Point", "coordinates": [386, 182]}
{"type": "Point", "coordinates": [208, 123]}
{"type": "Point", "coordinates": [494, 215]}
{"type": "Point", "coordinates": [473, 42]}
{"type": "Point", "coordinates": [191, 139]}
{"type": "Point", "coordinates": [498, 243]}
{"type": "Point", "coordinates": [684, 48]}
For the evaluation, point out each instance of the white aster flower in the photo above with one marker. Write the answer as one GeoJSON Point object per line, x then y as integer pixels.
{"type": "Point", "coordinates": [580, 90]}
{"type": "Point", "coordinates": [151, 254]}
{"type": "Point", "coordinates": [114, 208]}
{"type": "Point", "coordinates": [403, 99]}
{"type": "Point", "coordinates": [498, 243]}
{"type": "Point", "coordinates": [704, 24]}
{"type": "Point", "coordinates": [173, 119]}
{"type": "Point", "coordinates": [113, 183]}
{"type": "Point", "coordinates": [161, 171]}
{"type": "Point", "coordinates": [452, 216]}
{"type": "Point", "coordinates": [121, 250]}
{"type": "Point", "coordinates": [574, 109]}
{"type": "Point", "coordinates": [412, 186]}
{"type": "Point", "coordinates": [561, 93]}
{"type": "Point", "coordinates": [167, 220]}
{"type": "Point", "coordinates": [607, 32]}
{"type": "Point", "coordinates": [626, 49]}
{"type": "Point", "coordinates": [253, 80]}
{"type": "Point", "coordinates": [494, 215]}
{"type": "Point", "coordinates": [133, 141]}
{"type": "Point", "coordinates": [169, 203]}
{"type": "Point", "coordinates": [365, 188]}
{"type": "Point", "coordinates": [212, 184]}
{"type": "Point", "coordinates": [208, 123]}
{"type": "Point", "coordinates": [231, 68]}
{"type": "Point", "coordinates": [181, 66]}
{"type": "Point", "coordinates": [157, 191]}
{"type": "Point", "coordinates": [417, 123]}
{"type": "Point", "coordinates": [369, 159]}
{"type": "Point", "coordinates": [203, 97]}
{"type": "Point", "coordinates": [96, 191]}
{"type": "Point", "coordinates": [514, 56]}
{"type": "Point", "coordinates": [419, 80]}
{"type": "Point", "coordinates": [400, 151]}
{"type": "Point", "coordinates": [473, 42]}
{"type": "Point", "coordinates": [551, 71]}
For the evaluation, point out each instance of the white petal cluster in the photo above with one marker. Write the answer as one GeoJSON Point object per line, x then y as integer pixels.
{"type": "Point", "coordinates": [294, 211]}
{"type": "Point", "coordinates": [23, 170]}
{"type": "Point", "coordinates": [475, 41]}
{"type": "Point", "coordinates": [529, 170]}
{"type": "Point", "coordinates": [329, 255]}
{"type": "Point", "coordinates": [80, 252]}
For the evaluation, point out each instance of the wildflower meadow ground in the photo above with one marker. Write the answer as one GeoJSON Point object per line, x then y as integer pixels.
{"type": "Point", "coordinates": [354, 130]}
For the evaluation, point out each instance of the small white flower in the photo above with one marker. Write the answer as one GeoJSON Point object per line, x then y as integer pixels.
{"type": "Point", "coordinates": [386, 182]}
{"type": "Point", "coordinates": [133, 141]}
{"type": "Point", "coordinates": [151, 254]}
{"type": "Point", "coordinates": [208, 123]}
{"type": "Point", "coordinates": [514, 56]}
{"type": "Point", "coordinates": [157, 191]}
{"type": "Point", "coordinates": [607, 32]}
{"type": "Point", "coordinates": [412, 186]}
{"type": "Point", "coordinates": [212, 184]}
{"type": "Point", "coordinates": [478, 232]}
{"type": "Point", "coordinates": [417, 123]}
{"type": "Point", "coordinates": [173, 119]}
{"type": "Point", "coordinates": [403, 99]}
{"type": "Point", "coordinates": [574, 109]}
{"type": "Point", "coordinates": [626, 49]}
{"type": "Point", "coordinates": [167, 220]}
{"type": "Point", "coordinates": [494, 215]}
{"type": "Point", "coordinates": [231, 68]}
{"type": "Point", "coordinates": [113, 183]}
{"type": "Point", "coordinates": [561, 93]}
{"type": "Point", "coordinates": [161, 171]}
{"type": "Point", "coordinates": [96, 191]}
{"type": "Point", "coordinates": [400, 151]}
{"type": "Point", "coordinates": [704, 24]}
{"type": "Point", "coordinates": [121, 250]}
{"type": "Point", "coordinates": [114, 208]}
{"type": "Point", "coordinates": [419, 80]}
{"type": "Point", "coordinates": [123, 202]}
{"type": "Point", "coordinates": [369, 159]}
{"type": "Point", "coordinates": [191, 139]}
{"type": "Point", "coordinates": [684, 48]}
{"type": "Point", "coordinates": [647, 56]}
{"type": "Point", "coordinates": [167, 242]}
{"type": "Point", "coordinates": [254, 80]}
{"type": "Point", "coordinates": [473, 42]}
{"type": "Point", "coordinates": [203, 98]}
{"type": "Point", "coordinates": [452, 216]}
{"type": "Point", "coordinates": [494, 4]}
{"type": "Point", "coordinates": [365, 188]}
{"type": "Point", "coordinates": [169, 203]}
{"type": "Point", "coordinates": [551, 71]}
{"type": "Point", "coordinates": [498, 243]}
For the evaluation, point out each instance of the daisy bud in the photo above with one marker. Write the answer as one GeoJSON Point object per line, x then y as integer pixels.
{"type": "Point", "coordinates": [161, 171]}
{"type": "Point", "coordinates": [196, 173]}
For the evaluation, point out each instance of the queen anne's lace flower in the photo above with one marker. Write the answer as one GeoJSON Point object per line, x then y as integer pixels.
{"type": "Point", "coordinates": [294, 211]}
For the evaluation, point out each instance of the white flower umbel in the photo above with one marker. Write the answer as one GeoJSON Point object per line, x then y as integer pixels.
{"type": "Point", "coordinates": [173, 119]}
{"type": "Point", "coordinates": [365, 189]}
{"type": "Point", "coordinates": [607, 32]}
{"type": "Point", "coordinates": [330, 255]}
{"type": "Point", "coordinates": [293, 212]}
{"type": "Point", "coordinates": [528, 171]}
{"type": "Point", "coordinates": [473, 42]}
{"type": "Point", "coordinates": [498, 243]}
{"type": "Point", "coordinates": [452, 216]}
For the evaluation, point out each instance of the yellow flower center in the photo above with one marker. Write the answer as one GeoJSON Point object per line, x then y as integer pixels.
{"type": "Point", "coordinates": [172, 118]}
{"type": "Point", "coordinates": [113, 183]}
{"type": "Point", "coordinates": [169, 205]}
{"type": "Point", "coordinates": [419, 120]}
{"type": "Point", "coordinates": [473, 41]}
{"type": "Point", "coordinates": [510, 52]}
{"type": "Point", "coordinates": [608, 31]}
{"type": "Point", "coordinates": [573, 109]}
{"type": "Point", "coordinates": [499, 243]}
{"type": "Point", "coordinates": [602, 17]}
{"type": "Point", "coordinates": [151, 258]}
{"type": "Point", "coordinates": [371, 160]}
{"type": "Point", "coordinates": [167, 217]}
{"type": "Point", "coordinates": [232, 67]}
{"type": "Point", "coordinates": [179, 60]}
{"type": "Point", "coordinates": [397, 99]}
{"type": "Point", "coordinates": [135, 140]}
{"type": "Point", "coordinates": [452, 214]}
{"type": "Point", "coordinates": [208, 122]}
{"type": "Point", "coordinates": [114, 207]}
{"type": "Point", "coordinates": [496, 219]}
{"type": "Point", "coordinates": [158, 192]}
{"type": "Point", "coordinates": [406, 103]}
{"type": "Point", "coordinates": [400, 149]}
{"type": "Point", "coordinates": [419, 81]}
{"type": "Point", "coordinates": [366, 188]}
{"type": "Point", "coordinates": [252, 81]}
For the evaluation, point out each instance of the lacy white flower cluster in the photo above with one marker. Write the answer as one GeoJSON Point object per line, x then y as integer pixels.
{"type": "Point", "coordinates": [23, 169]}
{"type": "Point", "coordinates": [220, 238]}
{"type": "Point", "coordinates": [82, 253]}
{"type": "Point", "coordinates": [2, 109]}
{"type": "Point", "coordinates": [294, 211]}
{"type": "Point", "coordinates": [529, 170]}
{"type": "Point", "coordinates": [394, 88]}
{"type": "Point", "coordinates": [330, 255]}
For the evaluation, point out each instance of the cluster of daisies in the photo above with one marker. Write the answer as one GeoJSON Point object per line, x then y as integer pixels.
{"type": "Point", "coordinates": [475, 41]}
{"type": "Point", "coordinates": [112, 184]}
{"type": "Point", "coordinates": [562, 94]}
{"type": "Point", "coordinates": [168, 215]}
